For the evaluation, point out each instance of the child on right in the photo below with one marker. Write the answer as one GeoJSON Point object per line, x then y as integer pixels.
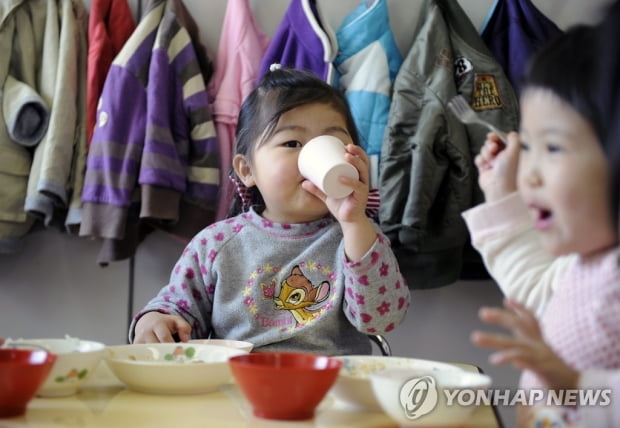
{"type": "Point", "coordinates": [547, 231]}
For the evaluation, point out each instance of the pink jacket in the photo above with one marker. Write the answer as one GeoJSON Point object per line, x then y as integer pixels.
{"type": "Point", "coordinates": [241, 48]}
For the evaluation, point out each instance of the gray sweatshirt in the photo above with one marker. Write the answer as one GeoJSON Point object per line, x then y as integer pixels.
{"type": "Point", "coordinates": [285, 287]}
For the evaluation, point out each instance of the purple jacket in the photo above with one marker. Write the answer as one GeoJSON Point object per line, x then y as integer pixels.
{"type": "Point", "coordinates": [154, 136]}
{"type": "Point", "coordinates": [303, 41]}
{"type": "Point", "coordinates": [514, 30]}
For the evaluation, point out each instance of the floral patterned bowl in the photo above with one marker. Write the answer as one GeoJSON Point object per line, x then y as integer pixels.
{"type": "Point", "coordinates": [171, 368]}
{"type": "Point", "coordinates": [76, 359]}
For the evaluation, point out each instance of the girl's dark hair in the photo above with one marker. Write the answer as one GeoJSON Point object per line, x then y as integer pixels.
{"type": "Point", "coordinates": [278, 92]}
{"type": "Point", "coordinates": [570, 67]}
{"type": "Point", "coordinates": [566, 66]}
{"type": "Point", "coordinates": [608, 78]}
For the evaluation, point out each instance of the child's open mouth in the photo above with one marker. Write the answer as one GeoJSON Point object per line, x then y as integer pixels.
{"type": "Point", "coordinates": [543, 218]}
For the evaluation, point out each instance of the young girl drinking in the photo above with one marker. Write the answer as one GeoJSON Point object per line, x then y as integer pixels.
{"type": "Point", "coordinates": [293, 269]}
{"type": "Point", "coordinates": [552, 246]}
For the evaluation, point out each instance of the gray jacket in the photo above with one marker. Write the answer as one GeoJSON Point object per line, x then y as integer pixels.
{"type": "Point", "coordinates": [427, 173]}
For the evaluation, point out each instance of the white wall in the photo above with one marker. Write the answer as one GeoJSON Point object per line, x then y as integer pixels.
{"type": "Point", "coordinates": [54, 286]}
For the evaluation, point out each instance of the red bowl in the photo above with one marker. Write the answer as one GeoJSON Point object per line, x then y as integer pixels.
{"type": "Point", "coordinates": [22, 372]}
{"type": "Point", "coordinates": [284, 385]}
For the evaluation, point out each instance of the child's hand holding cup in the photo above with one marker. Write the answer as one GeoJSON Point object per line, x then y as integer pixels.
{"type": "Point", "coordinates": [322, 161]}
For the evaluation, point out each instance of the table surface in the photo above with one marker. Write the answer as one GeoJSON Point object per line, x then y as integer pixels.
{"type": "Point", "coordinates": [104, 401]}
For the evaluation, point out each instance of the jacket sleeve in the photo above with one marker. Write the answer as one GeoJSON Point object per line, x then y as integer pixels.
{"type": "Point", "coordinates": [376, 294]}
{"type": "Point", "coordinates": [189, 292]}
{"type": "Point", "coordinates": [503, 234]}
{"type": "Point", "coordinates": [114, 156]}
{"type": "Point", "coordinates": [26, 114]}
{"type": "Point", "coordinates": [180, 151]}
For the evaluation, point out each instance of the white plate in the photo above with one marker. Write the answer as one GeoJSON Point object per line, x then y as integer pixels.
{"type": "Point", "coordinates": [353, 385]}
{"type": "Point", "coordinates": [171, 368]}
{"type": "Point", "coordinates": [237, 344]}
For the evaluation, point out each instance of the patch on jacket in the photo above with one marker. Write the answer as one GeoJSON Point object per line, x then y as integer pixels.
{"type": "Point", "coordinates": [462, 67]}
{"type": "Point", "coordinates": [486, 94]}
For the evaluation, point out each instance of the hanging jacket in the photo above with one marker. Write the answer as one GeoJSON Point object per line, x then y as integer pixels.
{"type": "Point", "coordinates": [15, 159]}
{"type": "Point", "coordinates": [44, 44]}
{"type": "Point", "coordinates": [427, 175]}
{"type": "Point", "coordinates": [52, 177]}
{"type": "Point", "coordinates": [303, 40]}
{"type": "Point", "coordinates": [110, 24]}
{"type": "Point", "coordinates": [240, 51]}
{"type": "Point", "coordinates": [78, 165]}
{"type": "Point", "coordinates": [513, 31]}
{"type": "Point", "coordinates": [159, 144]}
{"type": "Point", "coordinates": [366, 66]}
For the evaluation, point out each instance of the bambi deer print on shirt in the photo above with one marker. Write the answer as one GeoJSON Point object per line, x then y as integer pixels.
{"type": "Point", "coordinates": [297, 293]}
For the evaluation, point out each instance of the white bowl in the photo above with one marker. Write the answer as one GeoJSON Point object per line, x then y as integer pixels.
{"type": "Point", "coordinates": [428, 398]}
{"type": "Point", "coordinates": [171, 368]}
{"type": "Point", "coordinates": [353, 384]}
{"type": "Point", "coordinates": [76, 360]}
{"type": "Point", "coordinates": [237, 344]}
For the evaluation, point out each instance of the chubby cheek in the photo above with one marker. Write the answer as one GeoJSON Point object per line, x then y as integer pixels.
{"type": "Point", "coordinates": [285, 173]}
{"type": "Point", "coordinates": [580, 190]}
{"type": "Point", "coordinates": [592, 210]}
{"type": "Point", "coordinates": [280, 175]}
{"type": "Point", "coordinates": [585, 218]}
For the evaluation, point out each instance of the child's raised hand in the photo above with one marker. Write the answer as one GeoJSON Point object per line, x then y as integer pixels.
{"type": "Point", "coordinates": [352, 207]}
{"type": "Point", "coordinates": [497, 166]}
{"type": "Point", "coordinates": [350, 212]}
{"type": "Point", "coordinates": [526, 348]}
{"type": "Point", "coordinates": [154, 327]}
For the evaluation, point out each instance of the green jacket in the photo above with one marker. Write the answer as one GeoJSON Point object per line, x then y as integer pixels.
{"type": "Point", "coordinates": [17, 74]}
{"type": "Point", "coordinates": [41, 173]}
{"type": "Point", "coordinates": [427, 171]}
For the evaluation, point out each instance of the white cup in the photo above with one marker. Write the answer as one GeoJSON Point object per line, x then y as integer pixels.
{"type": "Point", "coordinates": [321, 161]}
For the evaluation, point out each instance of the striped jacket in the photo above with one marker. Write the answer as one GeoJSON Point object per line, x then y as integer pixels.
{"type": "Point", "coordinates": [154, 139]}
{"type": "Point", "coordinates": [367, 63]}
